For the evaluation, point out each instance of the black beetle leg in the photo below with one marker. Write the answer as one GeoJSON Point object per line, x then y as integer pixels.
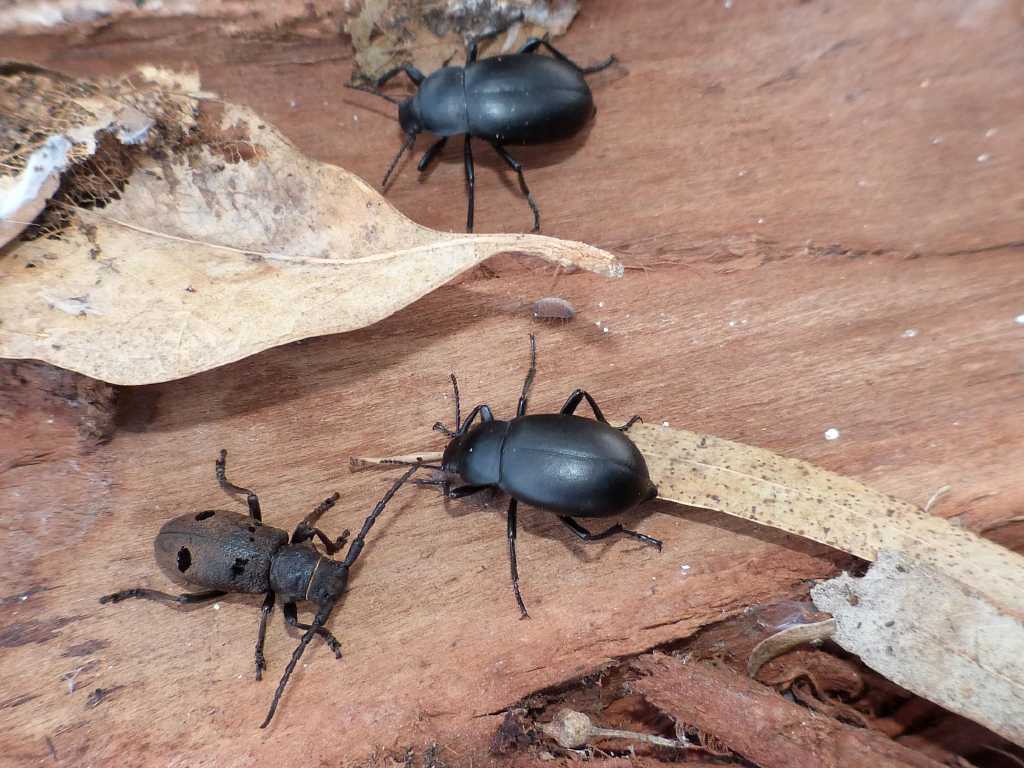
{"type": "Point", "coordinates": [483, 411]}
{"type": "Point", "coordinates": [467, 156]}
{"type": "Point", "coordinates": [251, 498]}
{"type": "Point", "coordinates": [261, 634]}
{"type": "Point", "coordinates": [516, 166]}
{"type": "Point", "coordinates": [466, 490]}
{"type": "Point", "coordinates": [414, 74]}
{"type": "Point", "coordinates": [512, 507]}
{"type": "Point", "coordinates": [189, 598]}
{"type": "Point", "coordinates": [291, 617]}
{"type": "Point", "coordinates": [584, 535]}
{"type": "Point", "coordinates": [431, 153]}
{"type": "Point", "coordinates": [473, 44]}
{"type": "Point", "coordinates": [534, 43]}
{"type": "Point", "coordinates": [578, 395]}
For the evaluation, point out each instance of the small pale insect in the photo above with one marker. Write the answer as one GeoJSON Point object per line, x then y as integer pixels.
{"type": "Point", "coordinates": [553, 308]}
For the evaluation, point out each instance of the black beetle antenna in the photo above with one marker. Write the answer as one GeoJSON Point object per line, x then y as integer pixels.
{"type": "Point", "coordinates": [374, 91]}
{"type": "Point", "coordinates": [458, 406]}
{"type": "Point", "coordinates": [439, 426]}
{"type": "Point", "coordinates": [318, 622]}
{"type": "Point", "coordinates": [409, 140]}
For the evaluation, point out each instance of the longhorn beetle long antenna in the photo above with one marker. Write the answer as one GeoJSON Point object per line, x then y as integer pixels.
{"type": "Point", "coordinates": [324, 611]}
{"type": "Point", "coordinates": [374, 91]}
{"type": "Point", "coordinates": [321, 618]}
{"type": "Point", "coordinates": [357, 544]}
{"type": "Point", "coordinates": [409, 141]}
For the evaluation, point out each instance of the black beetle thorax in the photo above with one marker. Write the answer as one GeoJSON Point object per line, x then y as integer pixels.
{"type": "Point", "coordinates": [440, 102]}
{"type": "Point", "coordinates": [479, 453]}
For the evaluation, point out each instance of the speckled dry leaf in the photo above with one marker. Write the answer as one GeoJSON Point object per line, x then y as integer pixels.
{"type": "Point", "coordinates": [427, 33]}
{"type": "Point", "coordinates": [755, 484]}
{"type": "Point", "coordinates": [215, 242]}
{"type": "Point", "coordinates": [926, 632]}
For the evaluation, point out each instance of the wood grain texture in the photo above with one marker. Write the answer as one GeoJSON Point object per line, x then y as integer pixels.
{"type": "Point", "coordinates": [755, 722]}
{"type": "Point", "coordinates": [765, 333]}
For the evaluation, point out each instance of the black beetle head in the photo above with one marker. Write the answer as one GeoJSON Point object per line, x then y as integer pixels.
{"type": "Point", "coordinates": [451, 460]}
{"type": "Point", "coordinates": [409, 117]}
{"type": "Point", "coordinates": [476, 455]}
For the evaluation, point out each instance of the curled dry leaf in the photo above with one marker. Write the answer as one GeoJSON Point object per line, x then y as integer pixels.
{"type": "Point", "coordinates": [786, 640]}
{"type": "Point", "coordinates": [210, 239]}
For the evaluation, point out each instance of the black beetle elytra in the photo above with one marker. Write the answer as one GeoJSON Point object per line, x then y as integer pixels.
{"type": "Point", "coordinates": [566, 464]}
{"type": "Point", "coordinates": [514, 99]}
{"type": "Point", "coordinates": [228, 552]}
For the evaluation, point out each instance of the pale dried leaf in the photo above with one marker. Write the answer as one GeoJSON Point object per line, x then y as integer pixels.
{"type": "Point", "coordinates": [221, 245]}
{"type": "Point", "coordinates": [755, 484]}
{"type": "Point", "coordinates": [931, 635]}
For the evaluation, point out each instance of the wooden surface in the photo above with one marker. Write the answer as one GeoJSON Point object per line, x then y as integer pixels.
{"type": "Point", "coordinates": [774, 165]}
{"type": "Point", "coordinates": [785, 734]}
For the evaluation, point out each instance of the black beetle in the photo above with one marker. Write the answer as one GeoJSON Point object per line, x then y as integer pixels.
{"type": "Point", "coordinates": [228, 552]}
{"type": "Point", "coordinates": [569, 465]}
{"type": "Point", "coordinates": [514, 99]}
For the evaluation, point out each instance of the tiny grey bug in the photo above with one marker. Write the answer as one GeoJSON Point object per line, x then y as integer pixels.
{"type": "Point", "coordinates": [553, 308]}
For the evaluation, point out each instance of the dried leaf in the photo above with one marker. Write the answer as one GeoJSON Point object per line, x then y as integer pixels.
{"type": "Point", "coordinates": [218, 239]}
{"type": "Point", "coordinates": [387, 33]}
{"type": "Point", "coordinates": [931, 635]}
{"type": "Point", "coordinates": [755, 484]}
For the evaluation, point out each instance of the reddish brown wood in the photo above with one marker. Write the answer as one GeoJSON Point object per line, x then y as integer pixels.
{"type": "Point", "coordinates": [756, 722]}
{"type": "Point", "coordinates": [768, 333]}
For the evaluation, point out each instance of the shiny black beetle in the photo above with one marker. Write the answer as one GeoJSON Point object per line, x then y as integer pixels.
{"type": "Point", "coordinates": [228, 552]}
{"type": "Point", "coordinates": [569, 465]}
{"type": "Point", "coordinates": [514, 99]}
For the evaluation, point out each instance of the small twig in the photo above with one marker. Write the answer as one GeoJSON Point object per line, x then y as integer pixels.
{"type": "Point", "coordinates": [787, 639]}
{"type": "Point", "coordinates": [358, 462]}
{"type": "Point", "coordinates": [572, 730]}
